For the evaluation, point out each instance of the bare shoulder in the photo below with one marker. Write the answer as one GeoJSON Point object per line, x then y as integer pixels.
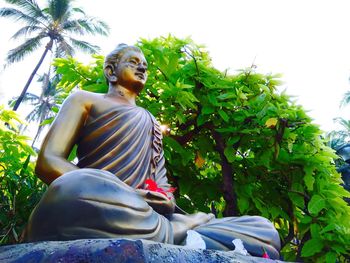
{"type": "Point", "coordinates": [83, 97]}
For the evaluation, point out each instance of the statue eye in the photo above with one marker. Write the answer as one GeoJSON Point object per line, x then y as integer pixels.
{"type": "Point", "coordinates": [133, 61]}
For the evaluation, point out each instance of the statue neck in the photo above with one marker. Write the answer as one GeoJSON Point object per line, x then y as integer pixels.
{"type": "Point", "coordinates": [120, 93]}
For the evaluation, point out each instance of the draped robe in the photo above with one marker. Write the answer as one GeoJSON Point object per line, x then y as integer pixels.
{"type": "Point", "coordinates": [117, 152]}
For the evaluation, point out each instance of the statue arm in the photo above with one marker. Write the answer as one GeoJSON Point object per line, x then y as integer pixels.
{"type": "Point", "coordinates": [52, 160]}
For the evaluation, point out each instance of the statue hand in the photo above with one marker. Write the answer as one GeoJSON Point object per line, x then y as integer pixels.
{"type": "Point", "coordinates": [158, 201]}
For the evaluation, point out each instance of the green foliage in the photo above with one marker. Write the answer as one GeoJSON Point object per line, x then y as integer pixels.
{"type": "Point", "coordinates": [20, 188]}
{"type": "Point", "coordinates": [74, 73]}
{"type": "Point", "coordinates": [236, 146]}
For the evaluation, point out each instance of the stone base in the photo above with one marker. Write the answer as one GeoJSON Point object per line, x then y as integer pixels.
{"type": "Point", "coordinates": [115, 250]}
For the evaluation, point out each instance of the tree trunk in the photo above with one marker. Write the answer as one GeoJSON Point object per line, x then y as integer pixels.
{"type": "Point", "coordinates": [24, 91]}
{"type": "Point", "coordinates": [228, 189]}
{"type": "Point", "coordinates": [38, 132]}
{"type": "Point", "coordinates": [227, 178]}
{"type": "Point", "coordinates": [43, 116]}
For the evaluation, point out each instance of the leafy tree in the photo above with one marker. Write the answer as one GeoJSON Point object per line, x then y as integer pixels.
{"type": "Point", "coordinates": [57, 22]}
{"type": "Point", "coordinates": [235, 146]}
{"type": "Point", "coordinates": [20, 188]}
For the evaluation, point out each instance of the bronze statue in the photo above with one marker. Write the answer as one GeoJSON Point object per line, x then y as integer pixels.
{"type": "Point", "coordinates": [119, 148]}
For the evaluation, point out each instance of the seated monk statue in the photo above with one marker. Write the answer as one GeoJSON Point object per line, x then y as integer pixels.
{"type": "Point", "coordinates": [119, 148]}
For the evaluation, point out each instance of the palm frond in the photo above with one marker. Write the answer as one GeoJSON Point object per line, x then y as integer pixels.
{"type": "Point", "coordinates": [28, 97]}
{"type": "Point", "coordinates": [63, 49]}
{"type": "Point", "coordinates": [336, 139]}
{"type": "Point", "coordinates": [88, 25]}
{"type": "Point", "coordinates": [18, 15]}
{"type": "Point", "coordinates": [58, 9]}
{"type": "Point", "coordinates": [31, 9]}
{"type": "Point", "coordinates": [24, 31]}
{"type": "Point", "coordinates": [343, 122]}
{"type": "Point", "coordinates": [30, 6]}
{"type": "Point", "coordinates": [84, 46]}
{"type": "Point", "coordinates": [26, 48]}
{"type": "Point", "coordinates": [78, 10]}
{"type": "Point", "coordinates": [33, 115]}
{"type": "Point", "coordinates": [31, 97]}
{"type": "Point", "coordinates": [50, 91]}
{"type": "Point", "coordinates": [346, 99]}
{"type": "Point", "coordinates": [46, 86]}
{"type": "Point", "coordinates": [72, 26]}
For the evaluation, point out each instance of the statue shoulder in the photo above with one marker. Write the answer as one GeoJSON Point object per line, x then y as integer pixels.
{"type": "Point", "coordinates": [82, 97]}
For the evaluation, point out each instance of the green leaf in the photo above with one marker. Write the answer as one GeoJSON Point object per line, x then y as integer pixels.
{"type": "Point", "coordinates": [73, 153]}
{"type": "Point", "coordinates": [55, 109]}
{"type": "Point", "coordinates": [233, 140]}
{"type": "Point", "coordinates": [207, 110]}
{"type": "Point", "coordinates": [315, 230]}
{"type": "Point", "coordinates": [306, 219]}
{"type": "Point", "coordinates": [25, 166]}
{"type": "Point", "coordinates": [213, 100]}
{"type": "Point", "coordinates": [230, 154]}
{"type": "Point", "coordinates": [224, 115]}
{"type": "Point", "coordinates": [308, 178]}
{"type": "Point", "coordinates": [275, 211]}
{"type": "Point", "coordinates": [316, 204]}
{"type": "Point", "coordinates": [297, 199]}
{"type": "Point", "coordinates": [47, 121]}
{"type": "Point", "coordinates": [201, 119]}
{"type": "Point", "coordinates": [312, 247]}
{"type": "Point", "coordinates": [243, 204]}
{"type": "Point", "coordinates": [328, 228]}
{"type": "Point", "coordinates": [225, 96]}
{"type": "Point", "coordinates": [331, 257]}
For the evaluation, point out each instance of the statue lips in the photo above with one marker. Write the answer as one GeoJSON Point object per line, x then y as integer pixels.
{"type": "Point", "coordinates": [140, 75]}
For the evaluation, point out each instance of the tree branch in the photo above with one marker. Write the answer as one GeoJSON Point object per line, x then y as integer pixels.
{"type": "Point", "coordinates": [229, 194]}
{"type": "Point", "coordinates": [165, 76]}
{"type": "Point", "coordinates": [183, 139]}
{"type": "Point", "coordinates": [290, 235]}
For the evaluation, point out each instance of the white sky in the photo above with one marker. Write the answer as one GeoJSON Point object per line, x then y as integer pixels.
{"type": "Point", "coordinates": [308, 41]}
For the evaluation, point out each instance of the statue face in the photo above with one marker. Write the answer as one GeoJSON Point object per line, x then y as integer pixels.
{"type": "Point", "coordinates": [131, 71]}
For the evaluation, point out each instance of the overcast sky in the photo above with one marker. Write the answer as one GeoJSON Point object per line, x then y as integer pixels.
{"type": "Point", "coordinates": [308, 41]}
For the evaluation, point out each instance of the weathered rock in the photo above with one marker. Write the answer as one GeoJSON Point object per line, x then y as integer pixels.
{"type": "Point", "coordinates": [115, 250]}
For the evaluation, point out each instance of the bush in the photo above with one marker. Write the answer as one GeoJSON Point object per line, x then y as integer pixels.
{"type": "Point", "coordinates": [20, 188]}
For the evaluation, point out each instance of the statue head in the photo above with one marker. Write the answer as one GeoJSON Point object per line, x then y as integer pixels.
{"type": "Point", "coordinates": [126, 66]}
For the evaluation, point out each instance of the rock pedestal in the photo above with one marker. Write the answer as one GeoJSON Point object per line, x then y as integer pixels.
{"type": "Point", "coordinates": [115, 250]}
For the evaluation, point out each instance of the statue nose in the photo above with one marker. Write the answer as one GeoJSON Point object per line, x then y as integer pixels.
{"type": "Point", "coordinates": [141, 68]}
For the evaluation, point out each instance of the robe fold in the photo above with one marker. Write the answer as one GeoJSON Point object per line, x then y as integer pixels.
{"type": "Point", "coordinates": [117, 152]}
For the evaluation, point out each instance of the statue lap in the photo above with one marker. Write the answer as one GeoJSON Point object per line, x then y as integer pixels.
{"type": "Point", "coordinates": [92, 203]}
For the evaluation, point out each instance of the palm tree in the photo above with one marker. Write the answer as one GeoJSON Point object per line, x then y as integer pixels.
{"type": "Point", "coordinates": [57, 22]}
{"type": "Point", "coordinates": [346, 99]}
{"type": "Point", "coordinates": [337, 139]}
{"type": "Point", "coordinates": [46, 105]}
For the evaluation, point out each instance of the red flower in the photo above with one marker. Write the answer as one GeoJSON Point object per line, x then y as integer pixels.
{"type": "Point", "coordinates": [265, 255]}
{"type": "Point", "coordinates": [152, 186]}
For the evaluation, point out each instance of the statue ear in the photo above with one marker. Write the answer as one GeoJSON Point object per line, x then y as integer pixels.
{"type": "Point", "coordinates": [109, 72]}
